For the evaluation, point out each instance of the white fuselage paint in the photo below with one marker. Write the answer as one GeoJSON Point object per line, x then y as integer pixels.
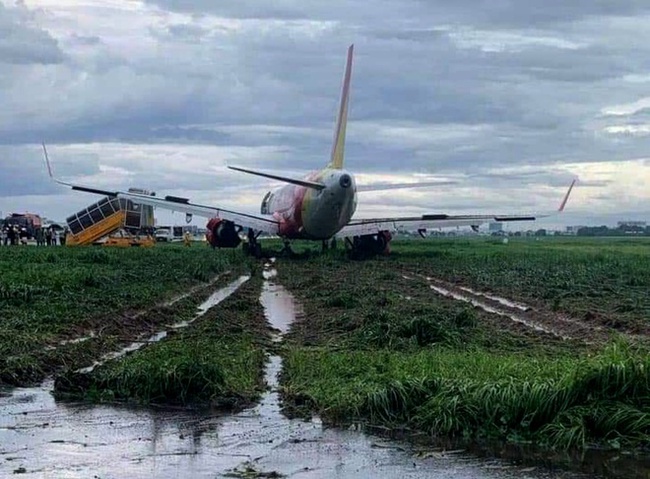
{"type": "Point", "coordinates": [314, 214]}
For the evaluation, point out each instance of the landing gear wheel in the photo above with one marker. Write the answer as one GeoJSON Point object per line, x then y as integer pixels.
{"type": "Point", "coordinates": [252, 246]}
{"type": "Point", "coordinates": [286, 251]}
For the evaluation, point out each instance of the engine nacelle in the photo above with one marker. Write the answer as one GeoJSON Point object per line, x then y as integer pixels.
{"type": "Point", "coordinates": [373, 244]}
{"type": "Point", "coordinates": [223, 233]}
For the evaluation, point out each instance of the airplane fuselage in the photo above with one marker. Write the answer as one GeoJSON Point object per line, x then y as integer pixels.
{"type": "Point", "coordinates": [307, 213]}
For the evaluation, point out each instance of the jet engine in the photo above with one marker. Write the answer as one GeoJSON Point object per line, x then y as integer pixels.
{"type": "Point", "coordinates": [223, 233]}
{"type": "Point", "coordinates": [368, 245]}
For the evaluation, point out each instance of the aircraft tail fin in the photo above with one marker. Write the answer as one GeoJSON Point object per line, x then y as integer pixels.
{"type": "Point", "coordinates": [338, 146]}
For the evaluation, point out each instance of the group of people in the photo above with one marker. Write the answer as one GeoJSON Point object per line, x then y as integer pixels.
{"type": "Point", "coordinates": [14, 235]}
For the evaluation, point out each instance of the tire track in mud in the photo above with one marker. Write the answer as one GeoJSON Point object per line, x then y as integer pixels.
{"type": "Point", "coordinates": [536, 319]}
{"type": "Point", "coordinates": [213, 300]}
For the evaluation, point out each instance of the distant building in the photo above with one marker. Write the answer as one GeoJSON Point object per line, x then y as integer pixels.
{"type": "Point", "coordinates": [632, 224]}
{"type": "Point", "coordinates": [573, 230]}
{"type": "Point", "coordinates": [495, 227]}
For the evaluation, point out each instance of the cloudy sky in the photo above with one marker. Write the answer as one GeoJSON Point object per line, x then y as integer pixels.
{"type": "Point", "coordinates": [509, 99]}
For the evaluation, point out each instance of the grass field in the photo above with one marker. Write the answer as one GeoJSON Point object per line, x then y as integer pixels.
{"type": "Point", "coordinates": [378, 345]}
{"type": "Point", "coordinates": [429, 339]}
{"type": "Point", "coordinates": [217, 362]}
{"type": "Point", "coordinates": [50, 295]}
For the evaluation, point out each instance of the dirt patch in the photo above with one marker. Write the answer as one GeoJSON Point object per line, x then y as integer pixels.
{"type": "Point", "coordinates": [374, 301]}
{"type": "Point", "coordinates": [214, 360]}
{"type": "Point", "coordinates": [536, 317]}
{"type": "Point", "coordinates": [84, 343]}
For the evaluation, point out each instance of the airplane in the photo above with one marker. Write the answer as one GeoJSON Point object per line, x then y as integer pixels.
{"type": "Point", "coordinates": [319, 206]}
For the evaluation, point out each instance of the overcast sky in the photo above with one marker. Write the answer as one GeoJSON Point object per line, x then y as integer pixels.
{"type": "Point", "coordinates": [510, 99]}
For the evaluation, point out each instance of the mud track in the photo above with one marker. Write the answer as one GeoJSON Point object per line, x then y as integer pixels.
{"type": "Point", "coordinates": [504, 310]}
{"type": "Point", "coordinates": [84, 343]}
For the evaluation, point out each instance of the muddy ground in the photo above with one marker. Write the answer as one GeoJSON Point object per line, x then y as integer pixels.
{"type": "Point", "coordinates": [307, 305]}
{"type": "Point", "coordinates": [41, 437]}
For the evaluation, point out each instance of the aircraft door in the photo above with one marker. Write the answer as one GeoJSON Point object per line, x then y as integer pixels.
{"type": "Point", "coordinates": [265, 204]}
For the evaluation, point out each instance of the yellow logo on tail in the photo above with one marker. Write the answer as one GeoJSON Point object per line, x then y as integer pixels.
{"type": "Point", "coordinates": [338, 147]}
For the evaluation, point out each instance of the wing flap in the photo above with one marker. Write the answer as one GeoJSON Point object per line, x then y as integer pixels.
{"type": "Point", "coordinates": [246, 220]}
{"type": "Point", "coordinates": [373, 226]}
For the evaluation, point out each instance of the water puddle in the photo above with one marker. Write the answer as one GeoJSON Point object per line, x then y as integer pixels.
{"type": "Point", "coordinates": [489, 309]}
{"type": "Point", "coordinates": [191, 291]}
{"type": "Point", "coordinates": [214, 299]}
{"type": "Point", "coordinates": [279, 305]}
{"type": "Point", "coordinates": [42, 438]}
{"type": "Point", "coordinates": [498, 299]}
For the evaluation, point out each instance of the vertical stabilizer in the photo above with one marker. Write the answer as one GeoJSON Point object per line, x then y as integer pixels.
{"type": "Point", "coordinates": [338, 147]}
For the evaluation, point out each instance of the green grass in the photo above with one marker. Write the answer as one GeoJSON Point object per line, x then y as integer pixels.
{"type": "Point", "coordinates": [561, 402]}
{"type": "Point", "coordinates": [379, 348]}
{"type": "Point", "coordinates": [602, 280]}
{"type": "Point", "coordinates": [216, 361]}
{"type": "Point", "coordinates": [51, 294]}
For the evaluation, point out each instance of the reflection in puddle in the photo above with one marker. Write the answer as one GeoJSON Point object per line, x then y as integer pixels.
{"type": "Point", "coordinates": [214, 299]}
{"type": "Point", "coordinates": [498, 299]}
{"type": "Point", "coordinates": [280, 306]}
{"type": "Point", "coordinates": [489, 309]}
{"type": "Point", "coordinates": [50, 439]}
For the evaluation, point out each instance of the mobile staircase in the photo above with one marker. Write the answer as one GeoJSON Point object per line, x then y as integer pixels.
{"type": "Point", "coordinates": [106, 217]}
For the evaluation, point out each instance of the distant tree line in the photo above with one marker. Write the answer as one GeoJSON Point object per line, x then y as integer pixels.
{"type": "Point", "coordinates": [623, 230]}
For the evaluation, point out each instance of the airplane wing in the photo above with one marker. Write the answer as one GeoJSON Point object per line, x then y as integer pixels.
{"type": "Point", "coordinates": [174, 203]}
{"type": "Point", "coordinates": [415, 223]}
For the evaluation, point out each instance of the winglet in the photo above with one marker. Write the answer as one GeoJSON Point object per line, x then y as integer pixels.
{"type": "Point", "coordinates": [338, 147]}
{"type": "Point", "coordinates": [47, 162]}
{"type": "Point", "coordinates": [566, 197]}
{"type": "Point", "coordinates": [87, 189]}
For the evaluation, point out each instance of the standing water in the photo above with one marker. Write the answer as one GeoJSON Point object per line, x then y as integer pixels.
{"type": "Point", "coordinates": [41, 438]}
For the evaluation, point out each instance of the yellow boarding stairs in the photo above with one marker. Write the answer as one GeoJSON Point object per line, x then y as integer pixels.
{"type": "Point", "coordinates": [108, 216]}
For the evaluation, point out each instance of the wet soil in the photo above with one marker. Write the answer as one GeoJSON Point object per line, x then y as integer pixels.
{"type": "Point", "coordinates": [535, 318]}
{"type": "Point", "coordinates": [41, 437]}
{"type": "Point", "coordinates": [231, 315]}
{"type": "Point", "coordinates": [590, 321]}
{"type": "Point", "coordinates": [83, 343]}
{"type": "Point", "coordinates": [503, 324]}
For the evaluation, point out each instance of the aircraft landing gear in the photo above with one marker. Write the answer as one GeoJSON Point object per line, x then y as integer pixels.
{"type": "Point", "coordinates": [252, 246]}
{"type": "Point", "coordinates": [365, 246]}
{"type": "Point", "coordinates": [286, 251]}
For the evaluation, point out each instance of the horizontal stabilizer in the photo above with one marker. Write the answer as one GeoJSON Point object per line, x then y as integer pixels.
{"type": "Point", "coordinates": [399, 186]}
{"type": "Point", "coordinates": [305, 183]}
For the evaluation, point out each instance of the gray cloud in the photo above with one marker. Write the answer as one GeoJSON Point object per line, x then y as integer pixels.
{"type": "Point", "coordinates": [478, 90]}
{"type": "Point", "coordinates": [482, 12]}
{"type": "Point", "coordinates": [22, 43]}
